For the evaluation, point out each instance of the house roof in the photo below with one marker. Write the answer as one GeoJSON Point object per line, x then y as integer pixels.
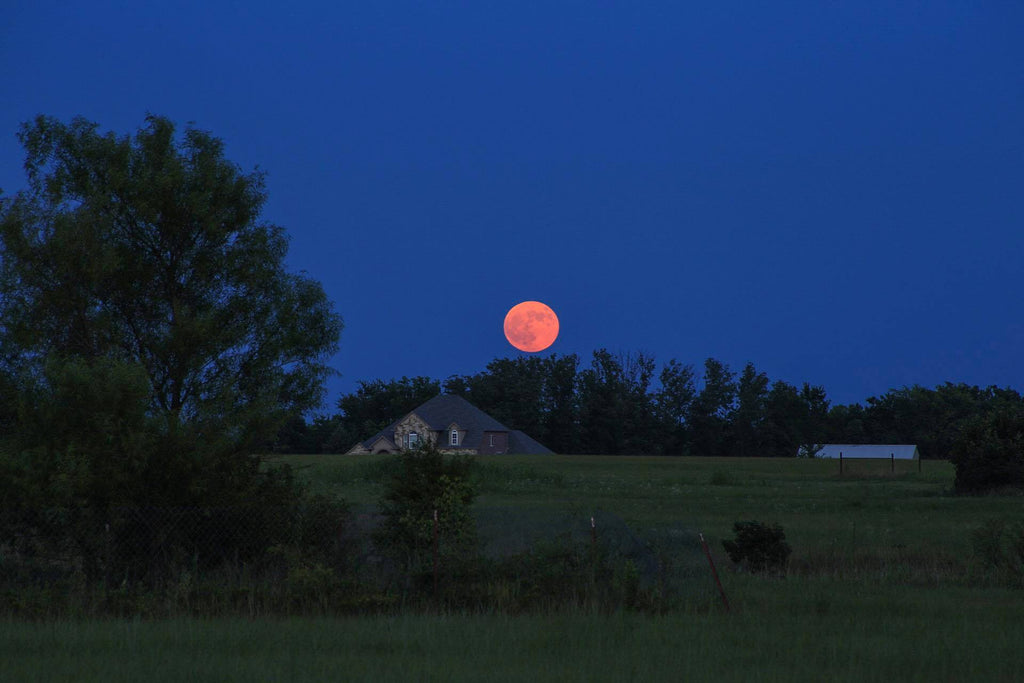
{"type": "Point", "coordinates": [869, 450]}
{"type": "Point", "coordinates": [520, 442]}
{"type": "Point", "coordinates": [444, 409]}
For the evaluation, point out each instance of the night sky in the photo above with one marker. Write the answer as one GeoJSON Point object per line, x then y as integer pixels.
{"type": "Point", "coordinates": [831, 190]}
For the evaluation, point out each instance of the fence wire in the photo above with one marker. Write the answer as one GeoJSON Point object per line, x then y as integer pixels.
{"type": "Point", "coordinates": [319, 547]}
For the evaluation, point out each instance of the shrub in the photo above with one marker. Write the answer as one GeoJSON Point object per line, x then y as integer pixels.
{"type": "Point", "coordinates": [999, 544]}
{"type": "Point", "coordinates": [760, 547]}
{"type": "Point", "coordinates": [424, 482]}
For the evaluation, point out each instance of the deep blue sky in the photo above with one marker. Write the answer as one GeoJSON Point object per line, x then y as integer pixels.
{"type": "Point", "coordinates": [832, 190]}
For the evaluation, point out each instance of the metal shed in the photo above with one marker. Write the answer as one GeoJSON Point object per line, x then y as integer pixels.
{"type": "Point", "coordinates": [869, 450]}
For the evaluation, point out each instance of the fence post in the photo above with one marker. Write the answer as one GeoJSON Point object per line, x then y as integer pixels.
{"type": "Point", "coordinates": [892, 462]}
{"type": "Point", "coordinates": [714, 572]}
{"type": "Point", "coordinates": [840, 463]}
{"type": "Point", "coordinates": [436, 558]}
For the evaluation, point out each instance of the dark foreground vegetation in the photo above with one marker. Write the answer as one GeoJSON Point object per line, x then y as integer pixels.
{"type": "Point", "coordinates": [536, 534]}
{"type": "Point", "coordinates": [151, 339]}
{"type": "Point", "coordinates": [890, 577]}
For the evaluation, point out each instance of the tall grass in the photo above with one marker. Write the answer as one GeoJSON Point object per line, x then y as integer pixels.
{"type": "Point", "coordinates": [884, 583]}
{"type": "Point", "coordinates": [904, 636]}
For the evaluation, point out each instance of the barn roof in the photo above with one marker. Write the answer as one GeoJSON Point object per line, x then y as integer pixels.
{"type": "Point", "coordinates": [869, 450]}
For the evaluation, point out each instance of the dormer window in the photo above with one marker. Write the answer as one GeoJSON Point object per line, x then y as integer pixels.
{"type": "Point", "coordinates": [453, 438]}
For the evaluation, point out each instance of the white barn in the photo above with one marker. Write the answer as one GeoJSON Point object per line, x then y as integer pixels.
{"type": "Point", "coordinates": [866, 450]}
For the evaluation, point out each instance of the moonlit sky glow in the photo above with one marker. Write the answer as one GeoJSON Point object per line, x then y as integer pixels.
{"type": "Point", "coordinates": [829, 190]}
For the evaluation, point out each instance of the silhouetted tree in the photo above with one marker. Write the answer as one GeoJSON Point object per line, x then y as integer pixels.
{"type": "Point", "coordinates": [988, 454]}
{"type": "Point", "coordinates": [141, 264]}
{"type": "Point", "coordinates": [711, 411]}
{"type": "Point", "coordinates": [672, 403]}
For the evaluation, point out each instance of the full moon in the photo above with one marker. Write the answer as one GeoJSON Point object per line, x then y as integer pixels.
{"type": "Point", "coordinates": [531, 326]}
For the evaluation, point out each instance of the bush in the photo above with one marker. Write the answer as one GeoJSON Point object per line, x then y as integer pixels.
{"type": "Point", "coordinates": [425, 482]}
{"type": "Point", "coordinates": [999, 544]}
{"type": "Point", "coordinates": [988, 454]}
{"type": "Point", "coordinates": [760, 547]}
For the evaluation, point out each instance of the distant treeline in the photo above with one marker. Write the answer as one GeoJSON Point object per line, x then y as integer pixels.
{"type": "Point", "coordinates": [625, 404]}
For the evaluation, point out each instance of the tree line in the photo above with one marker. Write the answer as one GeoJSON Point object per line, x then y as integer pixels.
{"type": "Point", "coordinates": [625, 403]}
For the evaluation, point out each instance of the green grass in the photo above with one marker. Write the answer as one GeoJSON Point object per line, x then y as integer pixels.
{"type": "Point", "coordinates": [883, 586]}
{"type": "Point", "coordinates": [885, 636]}
{"type": "Point", "coordinates": [867, 512]}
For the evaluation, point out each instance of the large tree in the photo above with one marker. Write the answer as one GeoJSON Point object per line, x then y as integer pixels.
{"type": "Point", "coordinates": [672, 406]}
{"type": "Point", "coordinates": [144, 258]}
{"type": "Point", "coordinates": [617, 413]}
{"type": "Point", "coordinates": [712, 409]}
{"type": "Point", "coordinates": [748, 419]}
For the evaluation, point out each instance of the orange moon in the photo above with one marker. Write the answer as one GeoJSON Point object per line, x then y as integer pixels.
{"type": "Point", "coordinates": [531, 326]}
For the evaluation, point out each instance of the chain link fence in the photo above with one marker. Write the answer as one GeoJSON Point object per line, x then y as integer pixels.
{"type": "Point", "coordinates": [322, 557]}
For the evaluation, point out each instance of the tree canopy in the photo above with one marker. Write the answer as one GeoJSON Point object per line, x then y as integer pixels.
{"type": "Point", "coordinates": [140, 264]}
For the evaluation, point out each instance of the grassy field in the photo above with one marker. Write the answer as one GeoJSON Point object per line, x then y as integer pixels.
{"type": "Point", "coordinates": [869, 512]}
{"type": "Point", "coordinates": [883, 585]}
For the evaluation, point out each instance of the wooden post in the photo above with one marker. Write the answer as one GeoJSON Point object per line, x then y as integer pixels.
{"type": "Point", "coordinates": [919, 464]}
{"type": "Point", "coordinates": [892, 462]}
{"type": "Point", "coordinates": [436, 554]}
{"type": "Point", "coordinates": [840, 463]}
{"type": "Point", "coordinates": [714, 572]}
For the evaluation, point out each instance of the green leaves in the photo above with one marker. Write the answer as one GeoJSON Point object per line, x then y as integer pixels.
{"type": "Point", "coordinates": [989, 452]}
{"type": "Point", "coordinates": [425, 482]}
{"type": "Point", "coordinates": [148, 250]}
{"type": "Point", "coordinates": [762, 548]}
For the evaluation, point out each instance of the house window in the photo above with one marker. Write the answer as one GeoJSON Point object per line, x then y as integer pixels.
{"type": "Point", "coordinates": [492, 440]}
{"type": "Point", "coordinates": [454, 438]}
{"type": "Point", "coordinates": [413, 439]}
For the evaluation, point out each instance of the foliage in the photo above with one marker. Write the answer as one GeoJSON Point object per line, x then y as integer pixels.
{"type": "Point", "coordinates": [427, 493]}
{"type": "Point", "coordinates": [712, 410]}
{"type": "Point", "coordinates": [538, 395]}
{"type": "Point", "coordinates": [989, 452]}
{"type": "Point", "coordinates": [760, 547]}
{"type": "Point", "coordinates": [622, 404]}
{"type": "Point", "coordinates": [374, 405]}
{"type": "Point", "coordinates": [616, 407]}
{"type": "Point", "coordinates": [999, 544]}
{"type": "Point", "coordinates": [672, 404]}
{"type": "Point", "coordinates": [150, 339]}
{"type": "Point", "coordinates": [810, 450]}
{"type": "Point", "coordinates": [930, 418]}
{"type": "Point", "coordinates": [148, 250]}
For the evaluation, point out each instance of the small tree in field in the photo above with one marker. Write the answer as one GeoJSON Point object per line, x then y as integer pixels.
{"type": "Point", "coordinates": [425, 481]}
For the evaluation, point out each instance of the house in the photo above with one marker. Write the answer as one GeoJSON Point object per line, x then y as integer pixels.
{"type": "Point", "coordinates": [865, 450]}
{"type": "Point", "coordinates": [454, 425]}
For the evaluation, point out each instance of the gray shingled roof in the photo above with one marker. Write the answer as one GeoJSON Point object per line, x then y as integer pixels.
{"type": "Point", "coordinates": [520, 442]}
{"type": "Point", "coordinates": [445, 409]}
